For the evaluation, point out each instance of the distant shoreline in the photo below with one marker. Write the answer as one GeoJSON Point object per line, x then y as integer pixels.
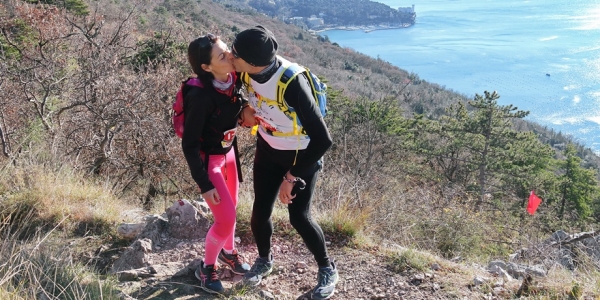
{"type": "Point", "coordinates": [366, 29]}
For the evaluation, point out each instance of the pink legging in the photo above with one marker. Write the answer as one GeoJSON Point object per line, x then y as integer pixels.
{"type": "Point", "coordinates": [222, 172]}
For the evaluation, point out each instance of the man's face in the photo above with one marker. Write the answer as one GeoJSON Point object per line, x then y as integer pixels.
{"type": "Point", "coordinates": [239, 64]}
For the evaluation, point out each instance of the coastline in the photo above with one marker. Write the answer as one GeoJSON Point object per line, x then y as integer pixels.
{"type": "Point", "coordinates": [366, 29]}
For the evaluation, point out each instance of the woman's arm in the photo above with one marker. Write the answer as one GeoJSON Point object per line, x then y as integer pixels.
{"type": "Point", "coordinates": [197, 110]}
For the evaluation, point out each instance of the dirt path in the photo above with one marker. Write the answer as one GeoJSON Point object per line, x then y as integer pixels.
{"type": "Point", "coordinates": [364, 274]}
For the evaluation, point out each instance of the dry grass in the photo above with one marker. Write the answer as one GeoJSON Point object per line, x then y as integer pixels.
{"type": "Point", "coordinates": [40, 206]}
{"type": "Point", "coordinates": [61, 196]}
{"type": "Point", "coordinates": [411, 260]}
{"type": "Point", "coordinates": [41, 268]}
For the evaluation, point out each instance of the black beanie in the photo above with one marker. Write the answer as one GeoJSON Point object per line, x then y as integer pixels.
{"type": "Point", "coordinates": [256, 45]}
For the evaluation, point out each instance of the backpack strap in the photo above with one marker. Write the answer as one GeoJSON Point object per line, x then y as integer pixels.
{"type": "Point", "coordinates": [245, 78]}
{"type": "Point", "coordinates": [195, 82]}
{"type": "Point", "coordinates": [286, 77]}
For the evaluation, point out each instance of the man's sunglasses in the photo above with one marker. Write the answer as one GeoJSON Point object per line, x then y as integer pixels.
{"type": "Point", "coordinates": [207, 41]}
{"type": "Point", "coordinates": [233, 52]}
{"type": "Point", "coordinates": [236, 55]}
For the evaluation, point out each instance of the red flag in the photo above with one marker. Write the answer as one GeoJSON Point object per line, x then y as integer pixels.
{"type": "Point", "coordinates": [534, 202]}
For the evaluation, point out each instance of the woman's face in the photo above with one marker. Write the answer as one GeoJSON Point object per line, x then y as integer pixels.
{"type": "Point", "coordinates": [219, 62]}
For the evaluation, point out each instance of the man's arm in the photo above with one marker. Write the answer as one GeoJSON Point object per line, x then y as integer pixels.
{"type": "Point", "coordinates": [299, 95]}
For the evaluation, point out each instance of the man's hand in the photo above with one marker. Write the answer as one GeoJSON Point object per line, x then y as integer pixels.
{"type": "Point", "coordinates": [248, 119]}
{"type": "Point", "coordinates": [285, 190]}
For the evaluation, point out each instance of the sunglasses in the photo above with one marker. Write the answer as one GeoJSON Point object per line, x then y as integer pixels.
{"type": "Point", "coordinates": [207, 41]}
{"type": "Point", "coordinates": [233, 52]}
{"type": "Point", "coordinates": [236, 55]}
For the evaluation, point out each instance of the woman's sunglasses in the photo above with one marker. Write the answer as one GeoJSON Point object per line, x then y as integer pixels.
{"type": "Point", "coordinates": [207, 41]}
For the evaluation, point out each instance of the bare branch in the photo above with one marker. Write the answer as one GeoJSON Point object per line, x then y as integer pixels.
{"type": "Point", "coordinates": [116, 37]}
{"type": "Point", "coordinates": [86, 31]}
{"type": "Point", "coordinates": [3, 136]}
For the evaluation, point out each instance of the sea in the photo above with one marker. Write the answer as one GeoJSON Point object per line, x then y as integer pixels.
{"type": "Point", "coordinates": [542, 56]}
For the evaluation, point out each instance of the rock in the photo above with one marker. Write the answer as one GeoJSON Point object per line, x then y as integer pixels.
{"type": "Point", "coordinates": [479, 280]}
{"type": "Point", "coordinates": [560, 236]}
{"type": "Point", "coordinates": [519, 271]}
{"type": "Point", "coordinates": [495, 266]}
{"type": "Point", "coordinates": [519, 254]}
{"type": "Point", "coordinates": [134, 257]}
{"type": "Point", "coordinates": [417, 279]}
{"type": "Point", "coordinates": [155, 226]}
{"type": "Point", "coordinates": [537, 270]}
{"type": "Point", "coordinates": [169, 269]}
{"type": "Point", "coordinates": [201, 205]}
{"type": "Point", "coordinates": [186, 221]}
{"type": "Point", "coordinates": [565, 258]}
{"type": "Point", "coordinates": [266, 295]}
{"type": "Point", "coordinates": [130, 230]}
{"type": "Point", "coordinates": [131, 275]}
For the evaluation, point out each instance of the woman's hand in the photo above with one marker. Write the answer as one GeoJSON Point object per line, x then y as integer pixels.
{"type": "Point", "coordinates": [212, 196]}
{"type": "Point", "coordinates": [248, 119]}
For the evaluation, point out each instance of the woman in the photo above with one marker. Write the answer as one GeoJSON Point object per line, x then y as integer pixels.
{"type": "Point", "coordinates": [212, 113]}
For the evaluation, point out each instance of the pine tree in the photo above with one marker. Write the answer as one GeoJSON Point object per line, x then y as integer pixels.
{"type": "Point", "coordinates": [579, 186]}
{"type": "Point", "coordinates": [478, 147]}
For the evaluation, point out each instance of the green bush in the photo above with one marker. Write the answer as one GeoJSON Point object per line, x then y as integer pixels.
{"type": "Point", "coordinates": [77, 7]}
{"type": "Point", "coordinates": [409, 260]}
{"type": "Point", "coordinates": [156, 50]}
{"type": "Point", "coordinates": [21, 35]}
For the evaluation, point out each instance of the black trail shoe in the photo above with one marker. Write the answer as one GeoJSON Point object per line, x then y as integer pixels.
{"type": "Point", "coordinates": [326, 281]}
{"type": "Point", "coordinates": [209, 279]}
{"type": "Point", "coordinates": [234, 262]}
{"type": "Point", "coordinates": [262, 268]}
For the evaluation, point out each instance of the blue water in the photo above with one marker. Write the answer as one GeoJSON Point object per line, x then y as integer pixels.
{"type": "Point", "coordinates": [471, 46]}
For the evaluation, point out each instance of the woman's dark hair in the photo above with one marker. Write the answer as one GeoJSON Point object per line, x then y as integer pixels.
{"type": "Point", "coordinates": [199, 52]}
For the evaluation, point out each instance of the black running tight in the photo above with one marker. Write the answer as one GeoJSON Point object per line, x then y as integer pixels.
{"type": "Point", "coordinates": [270, 165]}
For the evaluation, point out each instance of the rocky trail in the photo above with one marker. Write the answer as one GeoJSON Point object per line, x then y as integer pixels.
{"type": "Point", "coordinates": [165, 250]}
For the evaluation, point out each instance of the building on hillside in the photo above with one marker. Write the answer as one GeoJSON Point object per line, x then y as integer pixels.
{"type": "Point", "coordinates": [407, 15]}
{"type": "Point", "coordinates": [298, 21]}
{"type": "Point", "coordinates": [407, 10]}
{"type": "Point", "coordinates": [313, 22]}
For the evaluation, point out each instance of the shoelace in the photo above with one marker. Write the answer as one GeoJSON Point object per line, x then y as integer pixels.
{"type": "Point", "coordinates": [258, 266]}
{"type": "Point", "coordinates": [213, 274]}
{"type": "Point", "coordinates": [324, 278]}
{"type": "Point", "coordinates": [236, 258]}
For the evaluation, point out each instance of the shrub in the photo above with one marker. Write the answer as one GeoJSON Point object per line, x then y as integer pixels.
{"type": "Point", "coordinates": [77, 7]}
{"type": "Point", "coordinates": [409, 260]}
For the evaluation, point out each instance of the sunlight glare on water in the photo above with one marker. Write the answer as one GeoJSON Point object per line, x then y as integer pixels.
{"type": "Point", "coordinates": [591, 19]}
{"type": "Point", "coordinates": [542, 56]}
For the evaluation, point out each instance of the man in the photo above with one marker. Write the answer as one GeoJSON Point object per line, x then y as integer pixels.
{"type": "Point", "coordinates": [288, 153]}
